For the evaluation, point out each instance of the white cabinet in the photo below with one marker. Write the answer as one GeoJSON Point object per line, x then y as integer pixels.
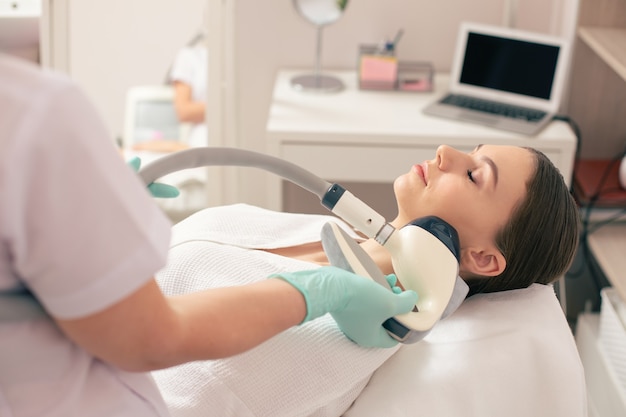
{"type": "Point", "coordinates": [606, 397]}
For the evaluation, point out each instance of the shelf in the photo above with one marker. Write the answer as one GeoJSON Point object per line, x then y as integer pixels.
{"type": "Point", "coordinates": [597, 181]}
{"type": "Point", "coordinates": [608, 43]}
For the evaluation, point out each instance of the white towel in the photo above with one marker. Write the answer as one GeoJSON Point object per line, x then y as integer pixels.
{"type": "Point", "coordinates": [309, 370]}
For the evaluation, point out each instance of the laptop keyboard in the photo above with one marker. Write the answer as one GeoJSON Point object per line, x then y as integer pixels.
{"type": "Point", "coordinates": [486, 106]}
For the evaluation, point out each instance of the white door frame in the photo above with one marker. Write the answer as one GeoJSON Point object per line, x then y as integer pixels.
{"type": "Point", "coordinates": [54, 35]}
{"type": "Point", "coordinates": [221, 115]}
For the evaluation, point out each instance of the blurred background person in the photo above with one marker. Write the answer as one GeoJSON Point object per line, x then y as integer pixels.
{"type": "Point", "coordinates": [188, 75]}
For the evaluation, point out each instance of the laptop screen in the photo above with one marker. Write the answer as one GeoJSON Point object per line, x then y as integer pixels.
{"type": "Point", "coordinates": [510, 65]}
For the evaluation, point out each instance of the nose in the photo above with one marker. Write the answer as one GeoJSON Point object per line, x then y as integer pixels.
{"type": "Point", "coordinates": [445, 157]}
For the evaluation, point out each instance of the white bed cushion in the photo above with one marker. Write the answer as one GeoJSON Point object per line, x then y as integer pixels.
{"type": "Point", "coordinates": [503, 354]}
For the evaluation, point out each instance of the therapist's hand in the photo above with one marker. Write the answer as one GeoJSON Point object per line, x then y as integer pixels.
{"type": "Point", "coordinates": [358, 305]}
{"type": "Point", "coordinates": [157, 189]}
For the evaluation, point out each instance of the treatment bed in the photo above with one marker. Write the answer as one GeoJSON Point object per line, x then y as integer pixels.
{"type": "Point", "coordinates": [503, 354]}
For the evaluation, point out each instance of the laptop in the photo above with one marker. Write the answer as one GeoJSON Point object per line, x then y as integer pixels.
{"type": "Point", "coordinates": [504, 78]}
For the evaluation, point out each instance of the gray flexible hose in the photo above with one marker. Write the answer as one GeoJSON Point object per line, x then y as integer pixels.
{"type": "Point", "coordinates": [22, 306]}
{"type": "Point", "coordinates": [207, 156]}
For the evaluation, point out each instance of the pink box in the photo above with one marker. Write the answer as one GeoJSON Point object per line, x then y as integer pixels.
{"type": "Point", "coordinates": [379, 68]}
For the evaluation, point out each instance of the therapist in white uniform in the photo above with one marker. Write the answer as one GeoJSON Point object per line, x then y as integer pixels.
{"type": "Point", "coordinates": [189, 75]}
{"type": "Point", "coordinates": [80, 233]}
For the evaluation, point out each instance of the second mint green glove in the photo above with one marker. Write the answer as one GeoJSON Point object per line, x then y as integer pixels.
{"type": "Point", "coordinates": [358, 305]}
{"type": "Point", "coordinates": [157, 189]}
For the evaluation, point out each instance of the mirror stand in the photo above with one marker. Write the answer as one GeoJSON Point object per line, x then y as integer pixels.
{"type": "Point", "coordinates": [317, 82]}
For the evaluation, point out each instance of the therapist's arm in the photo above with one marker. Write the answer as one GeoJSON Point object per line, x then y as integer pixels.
{"type": "Point", "coordinates": [148, 331]}
{"type": "Point", "coordinates": [187, 109]}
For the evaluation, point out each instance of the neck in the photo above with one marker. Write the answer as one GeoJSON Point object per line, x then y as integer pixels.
{"type": "Point", "coordinates": [379, 254]}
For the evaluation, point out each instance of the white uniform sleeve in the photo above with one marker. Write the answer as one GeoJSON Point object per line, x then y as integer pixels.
{"type": "Point", "coordinates": [183, 68]}
{"type": "Point", "coordinates": [84, 231]}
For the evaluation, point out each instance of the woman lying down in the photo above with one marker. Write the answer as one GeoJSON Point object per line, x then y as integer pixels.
{"type": "Point", "coordinates": [508, 205]}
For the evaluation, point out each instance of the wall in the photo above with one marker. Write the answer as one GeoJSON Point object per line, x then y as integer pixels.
{"type": "Point", "coordinates": [117, 44]}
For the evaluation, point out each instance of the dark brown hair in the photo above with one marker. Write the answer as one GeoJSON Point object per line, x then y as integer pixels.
{"type": "Point", "coordinates": [540, 240]}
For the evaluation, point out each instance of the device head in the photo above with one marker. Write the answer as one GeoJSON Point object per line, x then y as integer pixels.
{"type": "Point", "coordinates": [425, 256]}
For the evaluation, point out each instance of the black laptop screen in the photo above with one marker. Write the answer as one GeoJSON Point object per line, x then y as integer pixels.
{"type": "Point", "coordinates": [509, 65]}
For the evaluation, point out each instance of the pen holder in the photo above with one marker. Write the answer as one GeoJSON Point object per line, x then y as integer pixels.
{"type": "Point", "coordinates": [377, 68]}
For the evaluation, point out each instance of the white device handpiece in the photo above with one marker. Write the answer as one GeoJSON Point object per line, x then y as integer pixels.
{"type": "Point", "coordinates": [354, 211]}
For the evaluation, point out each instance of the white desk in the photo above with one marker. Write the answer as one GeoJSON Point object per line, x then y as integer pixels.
{"type": "Point", "coordinates": [374, 136]}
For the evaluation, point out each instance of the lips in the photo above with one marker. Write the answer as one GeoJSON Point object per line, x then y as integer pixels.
{"type": "Point", "coordinates": [421, 171]}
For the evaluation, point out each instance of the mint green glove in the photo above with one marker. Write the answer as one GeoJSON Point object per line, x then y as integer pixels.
{"type": "Point", "coordinates": [157, 189]}
{"type": "Point", "coordinates": [358, 305]}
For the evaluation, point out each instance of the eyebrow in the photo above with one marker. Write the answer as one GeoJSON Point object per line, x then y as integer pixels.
{"type": "Point", "coordinates": [489, 161]}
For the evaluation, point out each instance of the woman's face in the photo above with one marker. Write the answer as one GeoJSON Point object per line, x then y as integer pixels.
{"type": "Point", "coordinates": [476, 192]}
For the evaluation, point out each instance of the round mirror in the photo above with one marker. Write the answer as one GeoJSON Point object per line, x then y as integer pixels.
{"type": "Point", "coordinates": [320, 13]}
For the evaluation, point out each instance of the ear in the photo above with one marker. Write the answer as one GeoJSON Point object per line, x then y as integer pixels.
{"type": "Point", "coordinates": [486, 262]}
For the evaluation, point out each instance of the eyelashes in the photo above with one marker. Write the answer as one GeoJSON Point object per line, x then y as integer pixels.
{"type": "Point", "coordinates": [469, 175]}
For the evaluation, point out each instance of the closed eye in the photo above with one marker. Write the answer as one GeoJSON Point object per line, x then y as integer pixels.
{"type": "Point", "coordinates": [469, 175]}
